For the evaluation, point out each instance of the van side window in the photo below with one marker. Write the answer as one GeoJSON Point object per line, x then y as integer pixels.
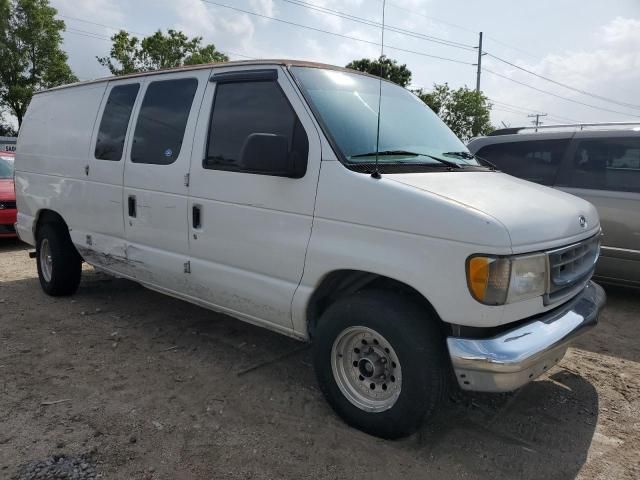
{"type": "Point", "coordinates": [162, 121]}
{"type": "Point", "coordinates": [606, 164]}
{"type": "Point", "coordinates": [536, 161]}
{"type": "Point", "coordinates": [114, 123]}
{"type": "Point", "coordinates": [243, 109]}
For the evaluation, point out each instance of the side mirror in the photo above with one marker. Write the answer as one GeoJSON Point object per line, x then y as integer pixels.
{"type": "Point", "coordinates": [267, 154]}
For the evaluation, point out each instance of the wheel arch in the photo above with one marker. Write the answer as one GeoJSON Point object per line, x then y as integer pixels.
{"type": "Point", "coordinates": [46, 215]}
{"type": "Point", "coordinates": [340, 283]}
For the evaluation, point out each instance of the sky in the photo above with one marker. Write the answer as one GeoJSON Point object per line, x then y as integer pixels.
{"type": "Point", "coordinates": [589, 45]}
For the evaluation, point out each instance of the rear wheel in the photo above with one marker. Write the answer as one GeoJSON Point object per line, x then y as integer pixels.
{"type": "Point", "coordinates": [381, 362]}
{"type": "Point", "coordinates": [59, 264]}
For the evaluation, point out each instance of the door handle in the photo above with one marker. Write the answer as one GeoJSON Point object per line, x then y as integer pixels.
{"type": "Point", "coordinates": [197, 216]}
{"type": "Point", "coordinates": [132, 206]}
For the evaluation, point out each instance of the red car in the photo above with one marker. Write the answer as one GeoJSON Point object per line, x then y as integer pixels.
{"type": "Point", "coordinates": [7, 196]}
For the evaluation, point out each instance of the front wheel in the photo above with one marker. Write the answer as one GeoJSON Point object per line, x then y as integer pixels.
{"type": "Point", "coordinates": [59, 264]}
{"type": "Point", "coordinates": [381, 362]}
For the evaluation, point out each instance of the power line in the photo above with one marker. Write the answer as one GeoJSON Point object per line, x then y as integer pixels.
{"type": "Point", "coordinates": [584, 92]}
{"type": "Point", "coordinates": [531, 110]}
{"type": "Point", "coordinates": [511, 47]}
{"type": "Point", "coordinates": [84, 33]}
{"type": "Point", "coordinates": [506, 110]}
{"type": "Point", "coordinates": [559, 96]}
{"type": "Point", "coordinates": [518, 113]}
{"type": "Point", "coordinates": [287, 22]}
{"type": "Point", "coordinates": [516, 107]}
{"type": "Point", "coordinates": [463, 28]}
{"type": "Point", "coordinates": [459, 27]}
{"type": "Point", "coordinates": [431, 38]}
{"type": "Point", "coordinates": [99, 24]}
{"type": "Point", "coordinates": [373, 23]}
{"type": "Point", "coordinates": [97, 36]}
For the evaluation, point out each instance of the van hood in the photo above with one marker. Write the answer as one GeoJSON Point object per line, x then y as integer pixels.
{"type": "Point", "coordinates": [535, 217]}
{"type": "Point", "coordinates": [7, 191]}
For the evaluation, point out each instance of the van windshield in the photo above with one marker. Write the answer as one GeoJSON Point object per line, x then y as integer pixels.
{"type": "Point", "coordinates": [410, 133]}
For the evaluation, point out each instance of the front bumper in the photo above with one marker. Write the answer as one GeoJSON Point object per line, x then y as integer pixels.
{"type": "Point", "coordinates": [514, 358]}
{"type": "Point", "coordinates": [7, 220]}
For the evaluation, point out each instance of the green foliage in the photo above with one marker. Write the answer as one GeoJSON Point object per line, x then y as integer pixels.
{"type": "Point", "coordinates": [6, 130]}
{"type": "Point", "coordinates": [389, 68]}
{"type": "Point", "coordinates": [465, 111]}
{"type": "Point", "coordinates": [130, 55]}
{"type": "Point", "coordinates": [30, 55]}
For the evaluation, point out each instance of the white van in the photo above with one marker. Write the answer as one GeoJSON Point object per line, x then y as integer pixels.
{"type": "Point", "coordinates": [257, 189]}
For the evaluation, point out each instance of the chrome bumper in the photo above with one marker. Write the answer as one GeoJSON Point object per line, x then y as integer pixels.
{"type": "Point", "coordinates": [514, 358]}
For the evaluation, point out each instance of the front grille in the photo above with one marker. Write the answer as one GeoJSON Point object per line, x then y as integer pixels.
{"type": "Point", "coordinates": [7, 204]}
{"type": "Point", "coordinates": [571, 267]}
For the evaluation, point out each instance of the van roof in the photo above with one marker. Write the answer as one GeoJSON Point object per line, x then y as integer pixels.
{"type": "Point", "coordinates": [595, 126]}
{"type": "Point", "coordinates": [186, 68]}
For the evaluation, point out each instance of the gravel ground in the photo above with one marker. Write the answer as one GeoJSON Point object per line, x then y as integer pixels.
{"type": "Point", "coordinates": [137, 385]}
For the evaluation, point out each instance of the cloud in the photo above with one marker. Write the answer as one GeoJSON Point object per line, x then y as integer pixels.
{"type": "Point", "coordinates": [197, 18]}
{"type": "Point", "coordinates": [618, 57]}
{"type": "Point", "coordinates": [612, 70]}
{"type": "Point", "coordinates": [106, 12]}
{"type": "Point", "coordinates": [263, 7]}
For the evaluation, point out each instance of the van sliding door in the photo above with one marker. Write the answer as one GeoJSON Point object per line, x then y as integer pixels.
{"type": "Point", "coordinates": [156, 178]}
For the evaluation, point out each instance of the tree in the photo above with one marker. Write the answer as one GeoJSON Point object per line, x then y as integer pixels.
{"type": "Point", "coordinates": [6, 130]}
{"type": "Point", "coordinates": [389, 68]}
{"type": "Point", "coordinates": [465, 111]}
{"type": "Point", "coordinates": [130, 55]}
{"type": "Point", "coordinates": [30, 54]}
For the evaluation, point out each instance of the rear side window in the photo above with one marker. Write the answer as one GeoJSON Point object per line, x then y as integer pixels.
{"type": "Point", "coordinates": [114, 123]}
{"type": "Point", "coordinates": [537, 161]}
{"type": "Point", "coordinates": [605, 164]}
{"type": "Point", "coordinates": [241, 109]}
{"type": "Point", "coordinates": [162, 121]}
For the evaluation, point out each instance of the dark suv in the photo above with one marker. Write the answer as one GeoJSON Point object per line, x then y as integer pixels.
{"type": "Point", "coordinates": [599, 163]}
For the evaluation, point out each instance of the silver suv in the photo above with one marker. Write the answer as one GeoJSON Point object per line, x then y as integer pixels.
{"type": "Point", "coordinates": [598, 162]}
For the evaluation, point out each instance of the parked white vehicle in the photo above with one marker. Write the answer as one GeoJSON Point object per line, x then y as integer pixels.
{"type": "Point", "coordinates": [252, 188]}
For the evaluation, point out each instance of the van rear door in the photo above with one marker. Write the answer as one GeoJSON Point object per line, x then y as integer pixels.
{"type": "Point", "coordinates": [155, 180]}
{"type": "Point", "coordinates": [104, 170]}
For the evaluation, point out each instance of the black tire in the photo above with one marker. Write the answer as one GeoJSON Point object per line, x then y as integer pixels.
{"type": "Point", "coordinates": [418, 344]}
{"type": "Point", "coordinates": [66, 263]}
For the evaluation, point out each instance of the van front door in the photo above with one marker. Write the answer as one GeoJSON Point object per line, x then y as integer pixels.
{"type": "Point", "coordinates": [155, 186]}
{"type": "Point", "coordinates": [250, 218]}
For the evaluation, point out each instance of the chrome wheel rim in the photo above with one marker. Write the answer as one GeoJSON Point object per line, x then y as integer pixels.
{"type": "Point", "coordinates": [46, 263]}
{"type": "Point", "coordinates": [366, 369]}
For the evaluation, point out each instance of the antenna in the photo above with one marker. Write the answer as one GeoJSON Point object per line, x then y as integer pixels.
{"type": "Point", "coordinates": [376, 173]}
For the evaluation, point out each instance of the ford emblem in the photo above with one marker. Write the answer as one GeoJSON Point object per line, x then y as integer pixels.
{"type": "Point", "coordinates": [583, 221]}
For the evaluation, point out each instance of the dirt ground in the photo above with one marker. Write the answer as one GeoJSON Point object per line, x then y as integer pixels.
{"type": "Point", "coordinates": [150, 387]}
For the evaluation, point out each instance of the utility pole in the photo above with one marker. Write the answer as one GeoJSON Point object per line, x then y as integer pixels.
{"type": "Point", "coordinates": [479, 63]}
{"type": "Point", "coordinates": [537, 121]}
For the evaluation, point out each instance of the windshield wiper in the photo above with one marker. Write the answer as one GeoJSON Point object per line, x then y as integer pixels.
{"type": "Point", "coordinates": [387, 153]}
{"type": "Point", "coordinates": [471, 156]}
{"type": "Point", "coordinates": [407, 154]}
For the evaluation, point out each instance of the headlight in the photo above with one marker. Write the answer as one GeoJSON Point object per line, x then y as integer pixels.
{"type": "Point", "coordinates": [499, 280]}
